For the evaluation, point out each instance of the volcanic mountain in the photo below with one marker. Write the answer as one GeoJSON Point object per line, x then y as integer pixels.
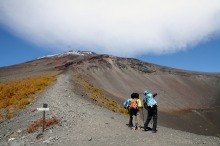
{"type": "Point", "coordinates": [188, 100]}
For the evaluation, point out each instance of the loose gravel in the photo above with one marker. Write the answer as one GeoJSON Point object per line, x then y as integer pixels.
{"type": "Point", "coordinates": [84, 123]}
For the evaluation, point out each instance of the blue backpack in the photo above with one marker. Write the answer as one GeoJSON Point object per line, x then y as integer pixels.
{"type": "Point", "coordinates": [126, 103]}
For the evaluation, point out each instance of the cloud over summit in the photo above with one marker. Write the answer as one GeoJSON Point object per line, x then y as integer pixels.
{"type": "Point", "coordinates": [122, 27]}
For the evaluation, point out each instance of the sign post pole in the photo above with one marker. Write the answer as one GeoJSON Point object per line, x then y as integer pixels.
{"type": "Point", "coordinates": [44, 109]}
{"type": "Point", "coordinates": [44, 106]}
{"type": "Point", "coordinates": [43, 120]}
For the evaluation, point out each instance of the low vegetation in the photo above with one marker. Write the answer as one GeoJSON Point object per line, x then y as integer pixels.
{"type": "Point", "coordinates": [14, 95]}
{"type": "Point", "coordinates": [98, 96]}
{"type": "Point", "coordinates": [39, 123]}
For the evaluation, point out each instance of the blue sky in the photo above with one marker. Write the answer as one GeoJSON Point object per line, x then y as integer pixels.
{"type": "Point", "coordinates": [179, 34]}
{"type": "Point", "coordinates": [204, 57]}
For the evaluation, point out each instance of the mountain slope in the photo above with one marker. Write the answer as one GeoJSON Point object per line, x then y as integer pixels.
{"type": "Point", "coordinates": [85, 123]}
{"type": "Point", "coordinates": [178, 89]}
{"type": "Point", "coordinates": [187, 100]}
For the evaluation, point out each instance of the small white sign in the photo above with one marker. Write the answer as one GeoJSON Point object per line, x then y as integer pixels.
{"type": "Point", "coordinates": [43, 109]}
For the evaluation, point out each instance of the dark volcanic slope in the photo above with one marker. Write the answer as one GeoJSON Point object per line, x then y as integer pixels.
{"type": "Point", "coordinates": [187, 100]}
{"type": "Point", "coordinates": [177, 89]}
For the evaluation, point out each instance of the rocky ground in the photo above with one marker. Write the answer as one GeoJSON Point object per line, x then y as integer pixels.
{"type": "Point", "coordinates": [85, 123]}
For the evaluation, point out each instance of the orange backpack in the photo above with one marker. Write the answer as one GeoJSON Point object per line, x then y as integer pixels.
{"type": "Point", "coordinates": [133, 104]}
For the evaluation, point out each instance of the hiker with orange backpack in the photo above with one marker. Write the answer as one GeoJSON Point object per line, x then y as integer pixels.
{"type": "Point", "coordinates": [134, 105]}
{"type": "Point", "coordinates": [150, 105]}
{"type": "Point", "coordinates": [134, 110]}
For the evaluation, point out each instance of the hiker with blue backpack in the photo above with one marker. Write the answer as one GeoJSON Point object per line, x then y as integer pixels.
{"type": "Point", "coordinates": [150, 105]}
{"type": "Point", "coordinates": [126, 106]}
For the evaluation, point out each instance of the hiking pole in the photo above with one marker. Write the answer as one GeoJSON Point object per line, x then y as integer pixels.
{"type": "Point", "coordinates": [143, 114]}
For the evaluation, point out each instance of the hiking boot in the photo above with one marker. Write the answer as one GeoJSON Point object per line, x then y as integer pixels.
{"type": "Point", "coordinates": [129, 125]}
{"type": "Point", "coordinates": [133, 128]}
{"type": "Point", "coordinates": [148, 129]}
{"type": "Point", "coordinates": [154, 131]}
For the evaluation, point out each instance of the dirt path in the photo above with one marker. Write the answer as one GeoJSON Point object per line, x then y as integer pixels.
{"type": "Point", "coordinates": [84, 123]}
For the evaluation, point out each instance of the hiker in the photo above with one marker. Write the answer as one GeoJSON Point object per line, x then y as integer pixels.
{"type": "Point", "coordinates": [136, 112]}
{"type": "Point", "coordinates": [126, 106]}
{"type": "Point", "coordinates": [151, 106]}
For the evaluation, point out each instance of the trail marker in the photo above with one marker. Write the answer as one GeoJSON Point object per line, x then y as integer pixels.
{"type": "Point", "coordinates": [45, 108]}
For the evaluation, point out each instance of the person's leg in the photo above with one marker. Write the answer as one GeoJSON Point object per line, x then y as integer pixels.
{"type": "Point", "coordinates": [154, 119]}
{"type": "Point", "coordinates": [130, 119]}
{"type": "Point", "coordinates": [134, 116]}
{"type": "Point", "coordinates": [149, 116]}
{"type": "Point", "coordinates": [138, 120]}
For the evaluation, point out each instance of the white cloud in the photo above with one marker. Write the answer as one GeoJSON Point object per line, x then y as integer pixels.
{"type": "Point", "coordinates": [119, 27]}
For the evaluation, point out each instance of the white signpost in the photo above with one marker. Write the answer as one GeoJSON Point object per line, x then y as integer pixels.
{"type": "Point", "coordinates": [45, 108]}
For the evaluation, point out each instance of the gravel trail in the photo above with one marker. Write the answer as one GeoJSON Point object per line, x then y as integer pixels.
{"type": "Point", "coordinates": [86, 124]}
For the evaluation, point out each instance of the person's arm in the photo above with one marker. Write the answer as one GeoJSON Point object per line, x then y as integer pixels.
{"type": "Point", "coordinates": [155, 94]}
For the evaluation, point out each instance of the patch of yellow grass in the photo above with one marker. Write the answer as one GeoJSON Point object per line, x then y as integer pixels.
{"type": "Point", "coordinates": [98, 96]}
{"type": "Point", "coordinates": [15, 95]}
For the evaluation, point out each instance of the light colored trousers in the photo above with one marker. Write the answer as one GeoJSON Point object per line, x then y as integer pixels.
{"type": "Point", "coordinates": [137, 119]}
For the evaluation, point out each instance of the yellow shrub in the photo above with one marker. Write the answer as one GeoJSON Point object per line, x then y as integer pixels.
{"type": "Point", "coordinates": [98, 96]}
{"type": "Point", "coordinates": [22, 103]}
{"type": "Point", "coordinates": [17, 94]}
{"type": "Point", "coordinates": [4, 103]}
